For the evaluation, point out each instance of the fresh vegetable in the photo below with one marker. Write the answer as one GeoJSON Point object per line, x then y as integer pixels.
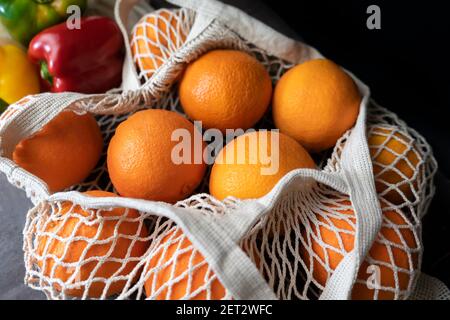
{"type": "Point", "coordinates": [315, 103]}
{"type": "Point", "coordinates": [396, 161]}
{"type": "Point", "coordinates": [225, 89]}
{"type": "Point", "coordinates": [140, 163]}
{"type": "Point", "coordinates": [331, 235]}
{"type": "Point", "coordinates": [86, 60]}
{"type": "Point", "coordinates": [155, 37]}
{"type": "Point", "coordinates": [26, 18]}
{"type": "Point", "coordinates": [63, 152]}
{"type": "Point", "coordinates": [241, 172]}
{"type": "Point", "coordinates": [109, 260]}
{"type": "Point", "coordinates": [177, 257]}
{"type": "Point", "coordinates": [3, 105]}
{"type": "Point", "coordinates": [18, 77]}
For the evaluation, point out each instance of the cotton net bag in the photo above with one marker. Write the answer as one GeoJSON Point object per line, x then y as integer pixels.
{"type": "Point", "coordinates": [319, 234]}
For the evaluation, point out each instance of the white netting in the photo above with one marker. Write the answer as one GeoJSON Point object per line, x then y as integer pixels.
{"type": "Point", "coordinates": [156, 37]}
{"type": "Point", "coordinates": [321, 221]}
{"type": "Point", "coordinates": [84, 247]}
{"type": "Point", "coordinates": [430, 288]}
{"type": "Point", "coordinates": [77, 252]}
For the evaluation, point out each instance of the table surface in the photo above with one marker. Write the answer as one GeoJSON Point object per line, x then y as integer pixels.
{"type": "Point", "coordinates": [13, 208]}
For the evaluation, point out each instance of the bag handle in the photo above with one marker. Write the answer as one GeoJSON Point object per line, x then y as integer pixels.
{"type": "Point", "coordinates": [234, 268]}
{"type": "Point", "coordinates": [29, 115]}
{"type": "Point", "coordinates": [357, 171]}
{"type": "Point", "coordinates": [21, 121]}
{"type": "Point", "coordinates": [251, 29]}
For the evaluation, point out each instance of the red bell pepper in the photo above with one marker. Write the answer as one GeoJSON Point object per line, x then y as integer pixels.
{"type": "Point", "coordinates": [85, 60]}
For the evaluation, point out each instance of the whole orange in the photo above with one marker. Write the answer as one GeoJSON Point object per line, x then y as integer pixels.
{"type": "Point", "coordinates": [332, 236]}
{"type": "Point", "coordinates": [315, 103]}
{"type": "Point", "coordinates": [396, 163]}
{"type": "Point", "coordinates": [252, 164]}
{"type": "Point", "coordinates": [226, 89]}
{"type": "Point", "coordinates": [84, 258]}
{"type": "Point", "coordinates": [141, 153]}
{"type": "Point", "coordinates": [178, 271]}
{"type": "Point", "coordinates": [63, 152]}
{"type": "Point", "coordinates": [155, 37]}
{"type": "Point", "coordinates": [403, 247]}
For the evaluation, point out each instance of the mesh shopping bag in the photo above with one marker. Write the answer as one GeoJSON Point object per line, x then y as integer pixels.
{"type": "Point", "coordinates": [349, 229]}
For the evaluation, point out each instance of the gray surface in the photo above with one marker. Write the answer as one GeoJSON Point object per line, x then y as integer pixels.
{"type": "Point", "coordinates": [13, 208]}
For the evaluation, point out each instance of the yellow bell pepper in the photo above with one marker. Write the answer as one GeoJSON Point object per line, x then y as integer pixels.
{"type": "Point", "coordinates": [18, 77]}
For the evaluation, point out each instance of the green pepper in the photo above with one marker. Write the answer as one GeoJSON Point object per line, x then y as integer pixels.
{"type": "Point", "coordinates": [3, 105]}
{"type": "Point", "coordinates": [26, 18]}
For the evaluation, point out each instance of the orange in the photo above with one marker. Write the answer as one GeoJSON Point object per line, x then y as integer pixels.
{"type": "Point", "coordinates": [94, 225]}
{"type": "Point", "coordinates": [140, 161]}
{"type": "Point", "coordinates": [155, 37]}
{"type": "Point", "coordinates": [173, 276]}
{"type": "Point", "coordinates": [226, 89]}
{"type": "Point", "coordinates": [332, 236]}
{"type": "Point", "coordinates": [402, 241]}
{"type": "Point", "coordinates": [252, 164]}
{"type": "Point", "coordinates": [63, 152]}
{"type": "Point", "coordinates": [396, 161]}
{"type": "Point", "coordinates": [315, 103]}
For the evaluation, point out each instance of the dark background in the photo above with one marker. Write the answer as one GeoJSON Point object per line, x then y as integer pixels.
{"type": "Point", "coordinates": [406, 64]}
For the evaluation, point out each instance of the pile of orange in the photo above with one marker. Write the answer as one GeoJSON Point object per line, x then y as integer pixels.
{"type": "Point", "coordinates": [313, 105]}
